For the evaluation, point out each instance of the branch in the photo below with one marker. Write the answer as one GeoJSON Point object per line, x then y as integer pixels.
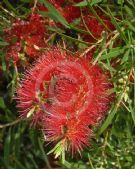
{"type": "Point", "coordinates": [11, 123]}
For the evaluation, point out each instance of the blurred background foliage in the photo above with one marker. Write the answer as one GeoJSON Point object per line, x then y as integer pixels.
{"type": "Point", "coordinates": [113, 144]}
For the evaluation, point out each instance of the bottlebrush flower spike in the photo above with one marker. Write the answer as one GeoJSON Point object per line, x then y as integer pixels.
{"type": "Point", "coordinates": [65, 95]}
{"type": "Point", "coordinates": [28, 38]}
{"type": "Point", "coordinates": [13, 52]}
{"type": "Point", "coordinates": [70, 13]}
{"type": "Point", "coordinates": [95, 26]}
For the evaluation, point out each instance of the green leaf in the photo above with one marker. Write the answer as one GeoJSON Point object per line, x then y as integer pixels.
{"type": "Point", "coordinates": [4, 107]}
{"type": "Point", "coordinates": [10, 6]}
{"type": "Point", "coordinates": [59, 151]}
{"type": "Point", "coordinates": [26, 1]}
{"type": "Point", "coordinates": [3, 43]}
{"type": "Point", "coordinates": [44, 154]}
{"type": "Point", "coordinates": [128, 10]}
{"type": "Point", "coordinates": [2, 104]}
{"type": "Point", "coordinates": [4, 67]}
{"type": "Point", "coordinates": [53, 13]}
{"type": "Point", "coordinates": [19, 164]}
{"type": "Point", "coordinates": [131, 26]}
{"type": "Point", "coordinates": [33, 161]}
{"type": "Point", "coordinates": [113, 53]}
{"type": "Point", "coordinates": [85, 3]}
{"type": "Point", "coordinates": [125, 57]}
{"type": "Point", "coordinates": [131, 110]}
{"type": "Point", "coordinates": [7, 147]}
{"type": "Point", "coordinates": [117, 25]}
{"type": "Point", "coordinates": [113, 111]}
{"type": "Point", "coordinates": [67, 164]}
{"type": "Point", "coordinates": [120, 2]}
{"type": "Point", "coordinates": [108, 120]}
{"type": "Point", "coordinates": [55, 148]}
{"type": "Point", "coordinates": [55, 29]}
{"type": "Point", "coordinates": [97, 16]}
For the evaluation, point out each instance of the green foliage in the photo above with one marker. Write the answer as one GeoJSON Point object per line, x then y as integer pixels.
{"type": "Point", "coordinates": [22, 147]}
{"type": "Point", "coordinates": [53, 13]}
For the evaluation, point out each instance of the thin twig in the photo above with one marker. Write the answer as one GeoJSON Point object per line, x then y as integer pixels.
{"type": "Point", "coordinates": [50, 37]}
{"type": "Point", "coordinates": [85, 25]}
{"type": "Point", "coordinates": [6, 11]}
{"type": "Point", "coordinates": [11, 123]}
{"type": "Point", "coordinates": [34, 7]}
{"type": "Point", "coordinates": [104, 49]}
{"type": "Point", "coordinates": [90, 48]}
{"type": "Point", "coordinates": [104, 145]}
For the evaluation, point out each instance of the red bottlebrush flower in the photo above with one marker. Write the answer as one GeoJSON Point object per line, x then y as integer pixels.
{"type": "Point", "coordinates": [36, 25]}
{"type": "Point", "coordinates": [33, 25]}
{"type": "Point", "coordinates": [42, 8]}
{"type": "Point", "coordinates": [66, 95]}
{"type": "Point", "coordinates": [34, 44]}
{"type": "Point", "coordinates": [70, 13]}
{"type": "Point", "coordinates": [95, 26]}
{"type": "Point", "coordinates": [13, 52]}
{"type": "Point", "coordinates": [73, 130]}
{"type": "Point", "coordinates": [28, 36]}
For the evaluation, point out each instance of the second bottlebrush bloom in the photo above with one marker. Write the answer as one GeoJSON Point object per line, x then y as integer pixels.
{"type": "Point", "coordinates": [25, 38]}
{"type": "Point", "coordinates": [65, 95]}
{"type": "Point", "coordinates": [96, 25]}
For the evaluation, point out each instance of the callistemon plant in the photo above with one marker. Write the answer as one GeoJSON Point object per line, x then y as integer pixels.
{"type": "Point", "coordinates": [96, 26]}
{"type": "Point", "coordinates": [25, 38]}
{"type": "Point", "coordinates": [66, 96]}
